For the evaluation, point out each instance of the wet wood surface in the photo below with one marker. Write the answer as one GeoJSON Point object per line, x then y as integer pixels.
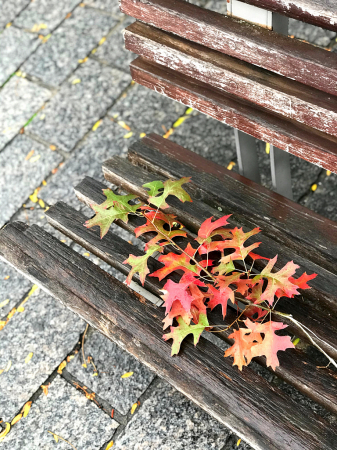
{"type": "Point", "coordinates": [127, 318]}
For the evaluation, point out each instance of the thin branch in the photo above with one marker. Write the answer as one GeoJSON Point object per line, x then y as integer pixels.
{"type": "Point", "coordinates": [56, 437]}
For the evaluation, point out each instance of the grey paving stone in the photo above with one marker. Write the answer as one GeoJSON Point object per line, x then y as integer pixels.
{"type": "Point", "coordinates": [87, 160]}
{"type": "Point", "coordinates": [77, 107]}
{"type": "Point", "coordinates": [110, 6]}
{"type": "Point", "coordinates": [147, 111]}
{"type": "Point", "coordinates": [48, 330]}
{"type": "Point", "coordinates": [217, 5]}
{"type": "Point", "coordinates": [15, 46]}
{"type": "Point", "coordinates": [207, 137]}
{"type": "Point", "coordinates": [9, 9]}
{"type": "Point", "coordinates": [169, 420]}
{"type": "Point", "coordinates": [58, 57]}
{"type": "Point", "coordinates": [66, 412]}
{"type": "Point", "coordinates": [113, 50]}
{"type": "Point", "coordinates": [111, 362]}
{"type": "Point", "coordinates": [12, 289]}
{"type": "Point", "coordinates": [48, 13]}
{"type": "Point", "coordinates": [324, 199]}
{"type": "Point", "coordinates": [19, 100]}
{"type": "Point", "coordinates": [20, 177]}
{"type": "Point", "coordinates": [310, 33]}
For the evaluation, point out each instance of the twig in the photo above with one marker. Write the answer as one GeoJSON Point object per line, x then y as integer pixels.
{"type": "Point", "coordinates": [85, 332]}
{"type": "Point", "coordinates": [57, 437]}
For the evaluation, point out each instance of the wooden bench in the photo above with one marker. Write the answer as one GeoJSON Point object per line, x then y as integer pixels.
{"type": "Point", "coordinates": [258, 411]}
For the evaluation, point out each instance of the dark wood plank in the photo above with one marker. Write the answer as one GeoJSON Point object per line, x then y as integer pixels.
{"type": "Point", "coordinates": [322, 13]}
{"type": "Point", "coordinates": [296, 367]}
{"type": "Point", "coordinates": [266, 89]}
{"type": "Point", "coordinates": [121, 315]}
{"type": "Point", "coordinates": [288, 57]}
{"type": "Point", "coordinates": [306, 143]}
{"type": "Point", "coordinates": [313, 235]}
{"type": "Point", "coordinates": [120, 172]}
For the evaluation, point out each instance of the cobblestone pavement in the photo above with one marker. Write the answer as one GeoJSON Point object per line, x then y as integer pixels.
{"type": "Point", "coordinates": [65, 93]}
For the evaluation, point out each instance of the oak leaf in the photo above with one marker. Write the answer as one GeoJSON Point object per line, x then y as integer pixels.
{"type": "Point", "coordinates": [139, 264]}
{"type": "Point", "coordinates": [170, 187]}
{"type": "Point", "coordinates": [220, 297]}
{"type": "Point", "coordinates": [244, 340]}
{"type": "Point", "coordinates": [105, 217]}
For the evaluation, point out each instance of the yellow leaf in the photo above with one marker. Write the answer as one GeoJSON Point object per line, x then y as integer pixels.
{"type": "Point", "coordinates": [97, 124]}
{"type": "Point", "coordinates": [4, 303]}
{"type": "Point", "coordinates": [231, 165]}
{"type": "Point", "coordinates": [95, 374]}
{"type": "Point", "coordinates": [20, 309]}
{"type": "Point", "coordinates": [56, 437]}
{"type": "Point", "coordinates": [314, 187]}
{"type": "Point", "coordinates": [44, 182]}
{"type": "Point", "coordinates": [102, 41]}
{"type": "Point", "coordinates": [142, 135]}
{"type": "Point", "coordinates": [86, 254]}
{"type": "Point", "coordinates": [84, 365]}
{"type": "Point", "coordinates": [81, 61]}
{"type": "Point", "coordinates": [11, 313]}
{"type": "Point", "coordinates": [124, 125]}
{"type": "Point", "coordinates": [5, 431]}
{"type": "Point", "coordinates": [328, 173]}
{"type": "Point", "coordinates": [168, 134]}
{"type": "Point", "coordinates": [109, 445]}
{"type": "Point", "coordinates": [267, 148]}
{"type": "Point", "coordinates": [61, 367]}
{"type": "Point", "coordinates": [45, 39]}
{"type": "Point", "coordinates": [76, 81]}
{"type": "Point", "coordinates": [238, 443]}
{"type": "Point", "coordinates": [180, 121]}
{"type": "Point", "coordinates": [30, 154]}
{"type": "Point", "coordinates": [1, 371]}
{"type": "Point", "coordinates": [2, 324]}
{"type": "Point", "coordinates": [41, 203]}
{"type": "Point", "coordinates": [26, 409]}
{"type": "Point", "coordinates": [16, 419]}
{"type": "Point", "coordinates": [134, 407]}
{"type": "Point", "coordinates": [7, 277]}
{"type": "Point", "coordinates": [189, 111]}
{"type": "Point", "coordinates": [45, 388]}
{"type": "Point", "coordinates": [36, 158]}
{"type": "Point", "coordinates": [52, 147]}
{"type": "Point", "coordinates": [33, 197]}
{"type": "Point", "coordinates": [94, 51]}
{"type": "Point", "coordinates": [90, 396]}
{"type": "Point", "coordinates": [128, 135]}
{"type": "Point", "coordinates": [8, 366]}
{"type": "Point", "coordinates": [8, 24]}
{"type": "Point", "coordinates": [296, 341]}
{"type": "Point", "coordinates": [127, 375]}
{"type": "Point", "coordinates": [29, 357]}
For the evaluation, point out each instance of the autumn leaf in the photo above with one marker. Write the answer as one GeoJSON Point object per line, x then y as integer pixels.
{"type": "Point", "coordinates": [16, 419]}
{"type": "Point", "coordinates": [220, 297]}
{"type": "Point", "coordinates": [134, 407]}
{"type": "Point", "coordinates": [169, 187]}
{"type": "Point", "coordinates": [61, 367]}
{"type": "Point", "coordinates": [105, 217]}
{"type": "Point", "coordinates": [177, 310]}
{"type": "Point", "coordinates": [5, 431]}
{"type": "Point", "coordinates": [241, 349]}
{"type": "Point", "coordinates": [177, 292]}
{"type": "Point", "coordinates": [207, 227]}
{"type": "Point", "coordinates": [173, 262]}
{"type": "Point", "coordinates": [272, 343]}
{"type": "Point", "coordinates": [179, 333]}
{"type": "Point", "coordinates": [302, 281]}
{"type": "Point", "coordinates": [112, 199]}
{"type": "Point", "coordinates": [139, 264]}
{"type": "Point", "coordinates": [127, 375]}
{"type": "Point", "coordinates": [26, 409]}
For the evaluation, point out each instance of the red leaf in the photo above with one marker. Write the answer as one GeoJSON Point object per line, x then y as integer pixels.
{"type": "Point", "coordinates": [255, 256]}
{"type": "Point", "coordinates": [177, 291]}
{"type": "Point", "coordinates": [301, 282]}
{"type": "Point", "coordinates": [177, 310]}
{"type": "Point", "coordinates": [208, 226]}
{"type": "Point", "coordinates": [220, 297]}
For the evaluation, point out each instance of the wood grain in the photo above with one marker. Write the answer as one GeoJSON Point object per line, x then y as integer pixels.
{"type": "Point", "coordinates": [296, 367]}
{"type": "Point", "coordinates": [118, 313]}
{"type": "Point", "coordinates": [266, 89]}
{"type": "Point", "coordinates": [298, 139]}
{"type": "Point", "coordinates": [280, 54]}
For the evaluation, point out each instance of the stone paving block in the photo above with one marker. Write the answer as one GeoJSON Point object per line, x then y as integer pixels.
{"type": "Point", "coordinates": [66, 412]}
{"type": "Point", "coordinates": [12, 289]}
{"type": "Point", "coordinates": [77, 107]}
{"type": "Point", "coordinates": [217, 5]}
{"type": "Point", "coordinates": [19, 100]}
{"type": "Point", "coordinates": [113, 50]}
{"type": "Point", "coordinates": [169, 420]}
{"type": "Point", "coordinates": [19, 177]}
{"type": "Point", "coordinates": [46, 13]}
{"type": "Point", "coordinates": [54, 61]}
{"type": "Point", "coordinates": [111, 362]}
{"type": "Point", "coordinates": [48, 330]}
{"type": "Point", "coordinates": [147, 111]}
{"type": "Point", "coordinates": [311, 33]}
{"type": "Point", "coordinates": [324, 199]}
{"type": "Point", "coordinates": [207, 137]}
{"type": "Point", "coordinates": [9, 9]}
{"type": "Point", "coordinates": [110, 6]}
{"type": "Point", "coordinates": [15, 46]}
{"type": "Point", "coordinates": [87, 160]}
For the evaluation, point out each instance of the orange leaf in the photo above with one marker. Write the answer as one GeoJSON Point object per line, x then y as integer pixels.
{"type": "Point", "coordinates": [26, 408]}
{"type": "Point", "coordinates": [134, 407]}
{"type": "Point", "coordinates": [16, 419]}
{"type": "Point", "coordinates": [45, 388]}
{"type": "Point", "coordinates": [61, 367]}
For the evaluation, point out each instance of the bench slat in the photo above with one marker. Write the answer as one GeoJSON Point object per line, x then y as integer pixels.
{"type": "Point", "coordinates": [317, 12]}
{"type": "Point", "coordinates": [296, 367]}
{"type": "Point", "coordinates": [266, 89]}
{"type": "Point", "coordinates": [121, 315]}
{"type": "Point", "coordinates": [309, 144]}
{"type": "Point", "coordinates": [288, 57]}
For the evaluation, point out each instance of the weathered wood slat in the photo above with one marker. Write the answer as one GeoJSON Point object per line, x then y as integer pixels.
{"type": "Point", "coordinates": [280, 54]}
{"type": "Point", "coordinates": [295, 368]}
{"type": "Point", "coordinates": [293, 137]}
{"type": "Point", "coordinates": [120, 172]}
{"type": "Point", "coordinates": [322, 13]}
{"type": "Point", "coordinates": [313, 235]}
{"type": "Point", "coordinates": [266, 89]}
{"type": "Point", "coordinates": [116, 311]}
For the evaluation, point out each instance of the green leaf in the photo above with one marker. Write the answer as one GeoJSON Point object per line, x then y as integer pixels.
{"type": "Point", "coordinates": [170, 188]}
{"type": "Point", "coordinates": [104, 217]}
{"type": "Point", "coordinates": [112, 199]}
{"type": "Point", "coordinates": [139, 264]}
{"type": "Point", "coordinates": [179, 333]}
